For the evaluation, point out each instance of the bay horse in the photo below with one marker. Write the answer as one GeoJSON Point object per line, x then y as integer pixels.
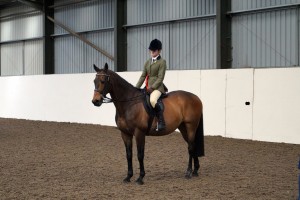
{"type": "Point", "coordinates": [183, 110]}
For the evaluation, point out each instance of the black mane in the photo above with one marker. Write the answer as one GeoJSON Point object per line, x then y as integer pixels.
{"type": "Point", "coordinates": [120, 80]}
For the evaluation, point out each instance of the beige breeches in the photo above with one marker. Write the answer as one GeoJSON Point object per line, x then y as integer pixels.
{"type": "Point", "coordinates": [154, 96]}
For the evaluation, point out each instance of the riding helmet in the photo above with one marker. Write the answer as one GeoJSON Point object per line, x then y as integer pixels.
{"type": "Point", "coordinates": [155, 45]}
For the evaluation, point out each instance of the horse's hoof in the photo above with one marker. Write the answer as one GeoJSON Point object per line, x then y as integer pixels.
{"type": "Point", "coordinates": [139, 181]}
{"type": "Point", "coordinates": [126, 180]}
{"type": "Point", "coordinates": [188, 174]}
{"type": "Point", "coordinates": [195, 173]}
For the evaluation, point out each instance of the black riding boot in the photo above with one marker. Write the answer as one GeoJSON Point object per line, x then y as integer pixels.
{"type": "Point", "coordinates": [159, 109]}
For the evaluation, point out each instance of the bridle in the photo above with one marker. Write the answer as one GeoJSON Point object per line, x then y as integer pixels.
{"type": "Point", "coordinates": [106, 99]}
{"type": "Point", "coordinates": [105, 90]}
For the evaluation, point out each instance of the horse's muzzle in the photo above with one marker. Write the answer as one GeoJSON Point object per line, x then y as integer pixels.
{"type": "Point", "coordinates": [97, 103]}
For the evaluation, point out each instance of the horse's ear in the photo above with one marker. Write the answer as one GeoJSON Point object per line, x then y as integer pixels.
{"type": "Point", "coordinates": [96, 68]}
{"type": "Point", "coordinates": [106, 66]}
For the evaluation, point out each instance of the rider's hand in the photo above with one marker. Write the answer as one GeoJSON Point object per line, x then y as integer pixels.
{"type": "Point", "coordinates": [149, 90]}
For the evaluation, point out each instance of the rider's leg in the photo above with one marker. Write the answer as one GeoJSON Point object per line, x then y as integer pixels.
{"type": "Point", "coordinates": [154, 96]}
{"type": "Point", "coordinates": [159, 109]}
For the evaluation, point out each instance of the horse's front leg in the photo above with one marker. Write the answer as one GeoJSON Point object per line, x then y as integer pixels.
{"type": "Point", "coordinates": [128, 145]}
{"type": "Point", "coordinates": [140, 143]}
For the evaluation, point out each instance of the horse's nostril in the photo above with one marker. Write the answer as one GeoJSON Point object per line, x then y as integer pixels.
{"type": "Point", "coordinates": [97, 103]}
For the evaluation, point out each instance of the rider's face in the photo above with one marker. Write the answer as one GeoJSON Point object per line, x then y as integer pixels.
{"type": "Point", "coordinates": [154, 53]}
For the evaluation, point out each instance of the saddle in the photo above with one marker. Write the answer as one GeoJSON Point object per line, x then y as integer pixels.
{"type": "Point", "coordinates": [148, 107]}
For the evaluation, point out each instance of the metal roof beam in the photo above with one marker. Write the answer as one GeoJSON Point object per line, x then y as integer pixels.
{"type": "Point", "coordinates": [69, 3]}
{"type": "Point", "coordinates": [36, 5]}
{"type": "Point", "coordinates": [43, 8]}
{"type": "Point", "coordinates": [80, 37]}
{"type": "Point", "coordinates": [264, 9]}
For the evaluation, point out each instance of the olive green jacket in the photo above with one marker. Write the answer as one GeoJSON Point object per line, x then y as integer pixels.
{"type": "Point", "coordinates": [156, 73]}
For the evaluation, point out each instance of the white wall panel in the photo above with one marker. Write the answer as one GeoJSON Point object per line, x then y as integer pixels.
{"type": "Point", "coordinates": [190, 81]}
{"type": "Point", "coordinates": [51, 98]}
{"type": "Point", "coordinates": [213, 92]}
{"type": "Point", "coordinates": [171, 80]}
{"type": "Point", "coordinates": [276, 107]}
{"type": "Point", "coordinates": [239, 90]}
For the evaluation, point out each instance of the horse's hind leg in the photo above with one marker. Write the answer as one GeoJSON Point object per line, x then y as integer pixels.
{"type": "Point", "coordinates": [188, 137]}
{"type": "Point", "coordinates": [196, 166]}
{"type": "Point", "coordinates": [189, 170]}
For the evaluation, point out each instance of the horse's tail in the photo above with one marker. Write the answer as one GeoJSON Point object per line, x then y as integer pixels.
{"type": "Point", "coordinates": [199, 139]}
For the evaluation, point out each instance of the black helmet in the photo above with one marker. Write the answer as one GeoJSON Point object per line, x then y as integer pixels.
{"type": "Point", "coordinates": [155, 45]}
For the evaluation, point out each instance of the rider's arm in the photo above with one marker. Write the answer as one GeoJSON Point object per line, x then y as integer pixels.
{"type": "Point", "coordinates": [160, 76]}
{"type": "Point", "coordinates": [143, 76]}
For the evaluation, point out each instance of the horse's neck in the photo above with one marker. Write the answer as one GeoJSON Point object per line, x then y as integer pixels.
{"type": "Point", "coordinates": [122, 91]}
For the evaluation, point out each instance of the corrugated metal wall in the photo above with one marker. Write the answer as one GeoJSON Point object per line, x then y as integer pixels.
{"type": "Point", "coordinates": [186, 28]}
{"type": "Point", "coordinates": [27, 27]}
{"type": "Point", "coordinates": [265, 39]}
{"type": "Point", "coordinates": [237, 5]}
{"type": "Point", "coordinates": [22, 58]}
{"type": "Point", "coordinates": [138, 43]}
{"type": "Point", "coordinates": [15, 9]}
{"type": "Point", "coordinates": [73, 55]}
{"type": "Point", "coordinates": [88, 16]}
{"type": "Point", "coordinates": [12, 59]}
{"type": "Point", "coordinates": [33, 57]}
{"type": "Point", "coordinates": [140, 11]}
{"type": "Point", "coordinates": [193, 45]}
{"type": "Point", "coordinates": [24, 27]}
{"type": "Point", "coordinates": [18, 56]}
{"type": "Point", "coordinates": [186, 44]}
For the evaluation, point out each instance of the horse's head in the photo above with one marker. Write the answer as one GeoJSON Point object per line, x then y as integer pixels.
{"type": "Point", "coordinates": [102, 85]}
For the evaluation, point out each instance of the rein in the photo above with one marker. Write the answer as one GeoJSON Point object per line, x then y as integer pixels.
{"type": "Point", "coordinates": [110, 100]}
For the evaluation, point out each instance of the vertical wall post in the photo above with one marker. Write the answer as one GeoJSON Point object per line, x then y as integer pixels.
{"type": "Point", "coordinates": [0, 59]}
{"type": "Point", "coordinates": [120, 37]}
{"type": "Point", "coordinates": [48, 41]}
{"type": "Point", "coordinates": [224, 45]}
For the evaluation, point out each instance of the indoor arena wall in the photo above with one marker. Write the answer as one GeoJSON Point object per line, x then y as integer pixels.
{"type": "Point", "coordinates": [255, 104]}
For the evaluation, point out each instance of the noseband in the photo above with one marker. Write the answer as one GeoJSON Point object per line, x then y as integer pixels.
{"type": "Point", "coordinates": [104, 91]}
